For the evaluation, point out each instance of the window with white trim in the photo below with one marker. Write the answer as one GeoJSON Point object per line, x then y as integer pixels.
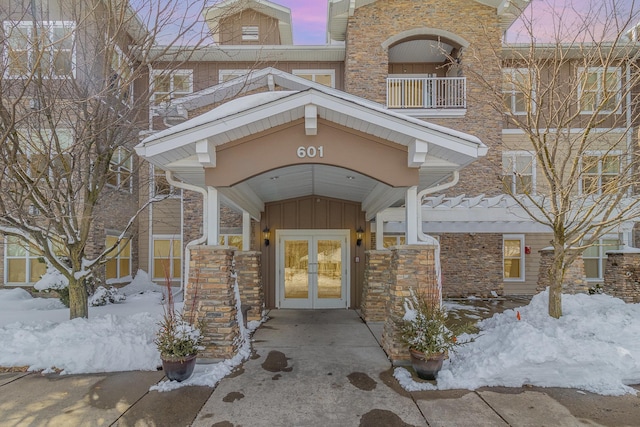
{"type": "Point", "coordinates": [600, 173]}
{"type": "Point", "coordinates": [324, 77]}
{"type": "Point", "coordinates": [46, 45]}
{"type": "Point", "coordinates": [23, 263]}
{"type": "Point", "coordinates": [231, 240]}
{"type": "Point", "coordinates": [171, 84]}
{"type": "Point", "coordinates": [392, 240]}
{"type": "Point", "coordinates": [250, 33]}
{"type": "Point", "coordinates": [44, 152]}
{"type": "Point", "coordinates": [167, 257]}
{"type": "Point", "coordinates": [595, 257]}
{"type": "Point", "coordinates": [518, 172]}
{"type": "Point", "coordinates": [120, 79]}
{"type": "Point", "coordinates": [518, 90]}
{"type": "Point", "coordinates": [119, 259]}
{"type": "Point", "coordinates": [120, 170]}
{"type": "Point", "coordinates": [599, 88]}
{"type": "Point", "coordinates": [513, 257]}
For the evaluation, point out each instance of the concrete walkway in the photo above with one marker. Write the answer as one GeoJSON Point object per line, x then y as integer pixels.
{"type": "Point", "coordinates": [310, 368]}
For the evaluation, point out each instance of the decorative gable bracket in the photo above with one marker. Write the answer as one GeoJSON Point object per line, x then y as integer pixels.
{"type": "Point", "coordinates": [417, 153]}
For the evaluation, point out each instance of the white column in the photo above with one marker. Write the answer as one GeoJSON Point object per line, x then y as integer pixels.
{"type": "Point", "coordinates": [411, 215]}
{"type": "Point", "coordinates": [246, 231]}
{"type": "Point", "coordinates": [379, 232]}
{"type": "Point", "coordinates": [213, 211]}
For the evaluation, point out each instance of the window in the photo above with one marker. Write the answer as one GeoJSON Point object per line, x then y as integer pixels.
{"type": "Point", "coordinates": [518, 172]}
{"type": "Point", "coordinates": [120, 170]}
{"type": "Point", "coordinates": [46, 45]}
{"type": "Point", "coordinates": [44, 151]}
{"type": "Point", "coordinates": [250, 32]}
{"type": "Point", "coordinates": [22, 262]}
{"type": "Point", "coordinates": [231, 240]}
{"type": "Point", "coordinates": [595, 257]}
{"type": "Point", "coordinates": [168, 85]}
{"type": "Point", "coordinates": [167, 257]}
{"type": "Point", "coordinates": [226, 75]}
{"type": "Point", "coordinates": [389, 241]}
{"type": "Point", "coordinates": [160, 185]}
{"type": "Point", "coordinates": [518, 89]}
{"type": "Point", "coordinates": [599, 88]}
{"type": "Point", "coordinates": [600, 173]}
{"type": "Point", "coordinates": [119, 259]}
{"type": "Point", "coordinates": [120, 79]}
{"type": "Point", "coordinates": [513, 257]}
{"type": "Point", "coordinates": [324, 77]}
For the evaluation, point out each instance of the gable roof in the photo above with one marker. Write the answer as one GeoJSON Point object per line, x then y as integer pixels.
{"type": "Point", "coordinates": [213, 14]}
{"type": "Point", "coordinates": [189, 147]}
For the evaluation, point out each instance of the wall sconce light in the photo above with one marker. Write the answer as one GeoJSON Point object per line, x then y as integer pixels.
{"type": "Point", "coordinates": [359, 233]}
{"type": "Point", "coordinates": [265, 235]}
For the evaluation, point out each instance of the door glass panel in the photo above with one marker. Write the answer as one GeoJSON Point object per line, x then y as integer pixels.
{"type": "Point", "coordinates": [329, 268]}
{"type": "Point", "coordinates": [296, 262]}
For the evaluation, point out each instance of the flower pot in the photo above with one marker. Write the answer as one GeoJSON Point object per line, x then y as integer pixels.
{"type": "Point", "coordinates": [178, 368]}
{"type": "Point", "coordinates": [427, 366]}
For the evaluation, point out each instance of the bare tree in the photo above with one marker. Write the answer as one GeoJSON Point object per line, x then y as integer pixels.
{"type": "Point", "coordinates": [571, 94]}
{"type": "Point", "coordinates": [74, 95]}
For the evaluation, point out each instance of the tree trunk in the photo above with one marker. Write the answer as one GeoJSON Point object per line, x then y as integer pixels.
{"type": "Point", "coordinates": [78, 305]}
{"type": "Point", "coordinates": [556, 277]}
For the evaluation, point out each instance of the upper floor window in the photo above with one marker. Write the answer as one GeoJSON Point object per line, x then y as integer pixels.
{"type": "Point", "coordinates": [324, 77]}
{"type": "Point", "coordinates": [120, 170]}
{"type": "Point", "coordinates": [599, 88]}
{"type": "Point", "coordinates": [44, 46]}
{"type": "Point", "coordinates": [44, 152]}
{"type": "Point", "coordinates": [120, 78]}
{"type": "Point", "coordinates": [518, 90]}
{"type": "Point", "coordinates": [250, 32]}
{"type": "Point", "coordinates": [171, 84]}
{"type": "Point", "coordinates": [518, 172]}
{"type": "Point", "coordinates": [599, 173]}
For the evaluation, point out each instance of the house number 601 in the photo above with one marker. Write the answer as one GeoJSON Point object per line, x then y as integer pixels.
{"type": "Point", "coordinates": [310, 151]}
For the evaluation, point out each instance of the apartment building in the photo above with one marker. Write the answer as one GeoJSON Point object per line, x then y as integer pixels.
{"type": "Point", "coordinates": [312, 162]}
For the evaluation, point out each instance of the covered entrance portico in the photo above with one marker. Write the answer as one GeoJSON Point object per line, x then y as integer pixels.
{"type": "Point", "coordinates": [308, 168]}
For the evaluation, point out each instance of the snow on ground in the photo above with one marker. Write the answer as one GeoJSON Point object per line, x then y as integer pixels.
{"type": "Point", "coordinates": [595, 346]}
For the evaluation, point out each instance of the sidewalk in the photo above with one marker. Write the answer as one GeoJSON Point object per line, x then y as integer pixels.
{"type": "Point", "coordinates": [310, 368]}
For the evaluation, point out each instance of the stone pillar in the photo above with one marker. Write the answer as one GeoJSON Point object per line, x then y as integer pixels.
{"type": "Point", "coordinates": [247, 267]}
{"type": "Point", "coordinates": [574, 278]}
{"type": "Point", "coordinates": [375, 289]}
{"type": "Point", "coordinates": [412, 266]}
{"type": "Point", "coordinates": [622, 275]}
{"type": "Point", "coordinates": [210, 289]}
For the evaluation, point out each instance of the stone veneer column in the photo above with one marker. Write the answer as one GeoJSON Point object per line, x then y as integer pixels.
{"type": "Point", "coordinates": [412, 266]}
{"type": "Point", "coordinates": [622, 275]}
{"type": "Point", "coordinates": [375, 289]}
{"type": "Point", "coordinates": [210, 288]}
{"type": "Point", "coordinates": [574, 278]}
{"type": "Point", "coordinates": [247, 267]}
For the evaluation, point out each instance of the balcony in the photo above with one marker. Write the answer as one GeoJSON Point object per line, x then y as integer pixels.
{"type": "Point", "coordinates": [436, 95]}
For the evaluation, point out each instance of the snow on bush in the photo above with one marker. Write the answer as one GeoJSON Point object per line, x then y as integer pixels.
{"type": "Point", "coordinates": [103, 296]}
{"type": "Point", "coordinates": [52, 279]}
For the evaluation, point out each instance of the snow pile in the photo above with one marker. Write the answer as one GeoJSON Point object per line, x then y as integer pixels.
{"type": "Point", "coordinates": [594, 346]}
{"type": "Point", "coordinates": [142, 283]}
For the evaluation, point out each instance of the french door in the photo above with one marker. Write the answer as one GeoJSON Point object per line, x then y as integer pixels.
{"type": "Point", "coordinates": [312, 268]}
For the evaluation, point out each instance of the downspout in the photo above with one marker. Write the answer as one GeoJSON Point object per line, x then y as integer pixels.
{"type": "Point", "coordinates": [429, 239]}
{"type": "Point", "coordinates": [200, 240]}
{"type": "Point", "coordinates": [628, 238]}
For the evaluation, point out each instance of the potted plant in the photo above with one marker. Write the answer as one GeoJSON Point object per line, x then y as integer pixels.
{"type": "Point", "coordinates": [179, 339]}
{"type": "Point", "coordinates": [424, 331]}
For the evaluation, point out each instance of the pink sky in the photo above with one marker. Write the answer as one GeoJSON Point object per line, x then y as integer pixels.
{"type": "Point", "coordinates": [309, 16]}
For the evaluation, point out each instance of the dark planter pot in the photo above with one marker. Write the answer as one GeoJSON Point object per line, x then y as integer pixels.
{"type": "Point", "coordinates": [179, 369]}
{"type": "Point", "coordinates": [427, 366]}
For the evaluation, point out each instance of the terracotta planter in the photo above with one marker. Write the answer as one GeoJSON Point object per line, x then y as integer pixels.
{"type": "Point", "coordinates": [427, 366]}
{"type": "Point", "coordinates": [178, 369]}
